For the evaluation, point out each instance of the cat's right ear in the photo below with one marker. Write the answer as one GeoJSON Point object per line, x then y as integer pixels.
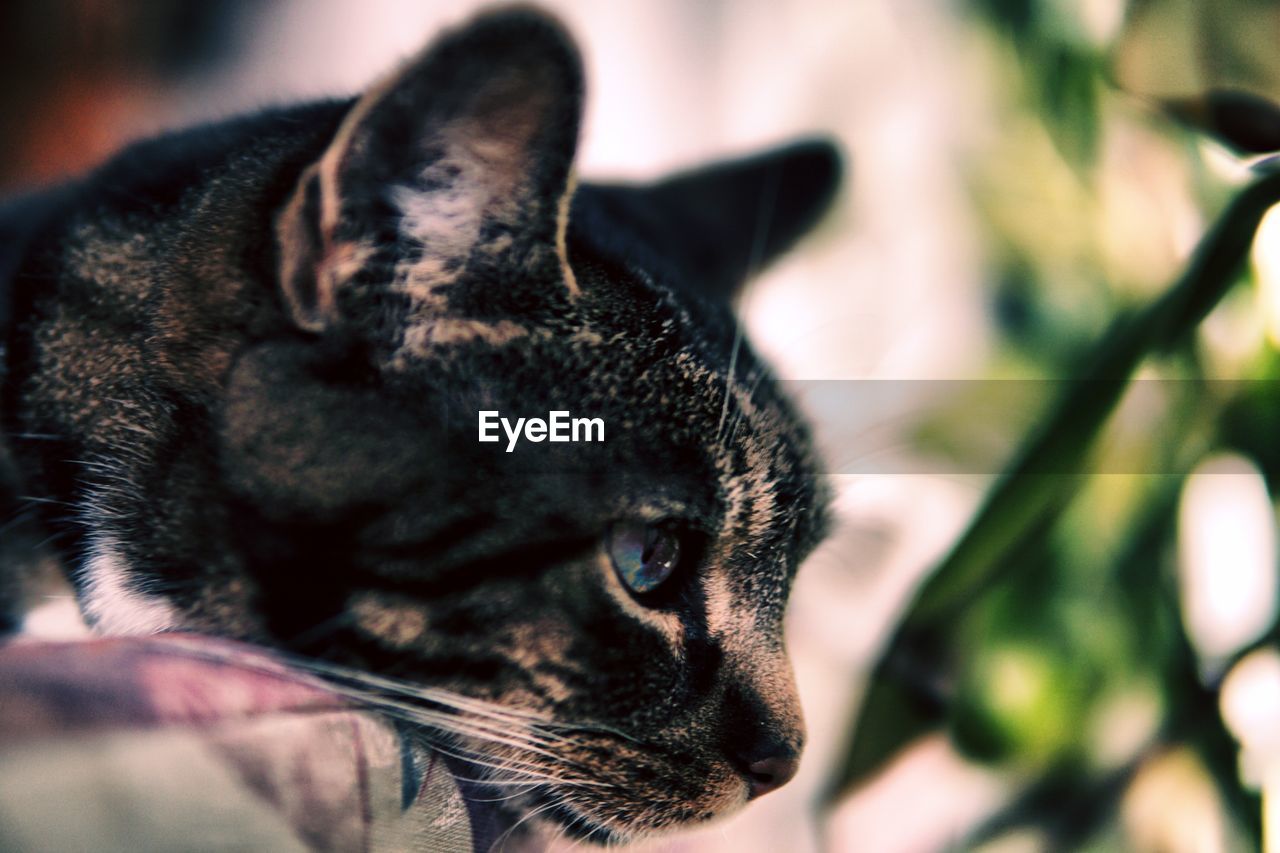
{"type": "Point", "coordinates": [460, 160]}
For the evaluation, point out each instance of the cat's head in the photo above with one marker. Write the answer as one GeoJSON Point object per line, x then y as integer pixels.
{"type": "Point", "coordinates": [622, 599]}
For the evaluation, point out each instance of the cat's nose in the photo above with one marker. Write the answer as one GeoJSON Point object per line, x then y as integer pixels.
{"type": "Point", "coordinates": [770, 769]}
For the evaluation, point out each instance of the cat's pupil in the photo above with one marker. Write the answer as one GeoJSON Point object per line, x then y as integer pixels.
{"type": "Point", "coordinates": [644, 555]}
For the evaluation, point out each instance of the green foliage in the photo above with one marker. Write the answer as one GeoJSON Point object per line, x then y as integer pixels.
{"type": "Point", "coordinates": [1059, 603]}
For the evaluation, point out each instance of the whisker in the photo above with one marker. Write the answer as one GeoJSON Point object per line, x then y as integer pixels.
{"type": "Point", "coordinates": [531, 778]}
{"type": "Point", "coordinates": [34, 436]}
{"type": "Point", "coordinates": [728, 380]}
{"type": "Point", "coordinates": [321, 628]}
{"type": "Point", "coordinates": [526, 740]}
{"type": "Point", "coordinates": [500, 843]}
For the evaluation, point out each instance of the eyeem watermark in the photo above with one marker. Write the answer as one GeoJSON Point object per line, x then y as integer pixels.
{"type": "Point", "coordinates": [558, 426]}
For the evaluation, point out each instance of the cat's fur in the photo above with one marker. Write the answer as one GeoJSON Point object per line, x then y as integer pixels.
{"type": "Point", "coordinates": [242, 371]}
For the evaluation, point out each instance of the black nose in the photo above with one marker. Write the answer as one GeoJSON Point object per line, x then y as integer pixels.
{"type": "Point", "coordinates": [767, 772]}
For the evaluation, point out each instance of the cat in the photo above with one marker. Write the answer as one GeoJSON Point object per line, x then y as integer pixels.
{"type": "Point", "coordinates": [243, 366]}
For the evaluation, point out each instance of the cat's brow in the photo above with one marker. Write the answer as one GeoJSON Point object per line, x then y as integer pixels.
{"type": "Point", "coordinates": [436, 574]}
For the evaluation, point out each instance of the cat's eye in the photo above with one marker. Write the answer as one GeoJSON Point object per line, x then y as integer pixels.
{"type": "Point", "coordinates": [644, 555]}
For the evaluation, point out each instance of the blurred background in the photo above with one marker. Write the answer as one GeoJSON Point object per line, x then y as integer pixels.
{"type": "Point", "coordinates": [1047, 620]}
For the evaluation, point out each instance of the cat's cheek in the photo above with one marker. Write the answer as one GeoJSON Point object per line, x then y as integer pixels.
{"type": "Point", "coordinates": [397, 625]}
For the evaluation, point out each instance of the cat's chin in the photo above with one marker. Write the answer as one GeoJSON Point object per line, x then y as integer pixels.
{"type": "Point", "coordinates": [578, 828]}
{"type": "Point", "coordinates": [555, 817]}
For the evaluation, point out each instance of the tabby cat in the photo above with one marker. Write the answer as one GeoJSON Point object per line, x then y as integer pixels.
{"type": "Point", "coordinates": [242, 372]}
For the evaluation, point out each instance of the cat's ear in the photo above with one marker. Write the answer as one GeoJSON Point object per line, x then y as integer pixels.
{"type": "Point", "coordinates": [460, 160]}
{"type": "Point", "coordinates": [720, 224]}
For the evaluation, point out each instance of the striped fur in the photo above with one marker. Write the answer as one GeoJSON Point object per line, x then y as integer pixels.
{"type": "Point", "coordinates": [254, 354]}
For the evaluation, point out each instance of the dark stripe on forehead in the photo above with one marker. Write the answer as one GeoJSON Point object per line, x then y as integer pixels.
{"type": "Point", "coordinates": [522, 562]}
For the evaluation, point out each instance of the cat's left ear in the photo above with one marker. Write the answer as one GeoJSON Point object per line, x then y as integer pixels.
{"type": "Point", "coordinates": [461, 161]}
{"type": "Point", "coordinates": [718, 225]}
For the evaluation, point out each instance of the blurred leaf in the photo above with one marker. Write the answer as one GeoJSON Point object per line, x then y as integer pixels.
{"type": "Point", "coordinates": [1046, 330]}
{"type": "Point", "coordinates": [1067, 802]}
{"type": "Point", "coordinates": [1068, 80]}
{"type": "Point", "coordinates": [895, 714]}
{"type": "Point", "coordinates": [1241, 120]}
{"type": "Point", "coordinates": [1061, 66]}
{"type": "Point", "coordinates": [909, 692]}
{"type": "Point", "coordinates": [1022, 701]}
{"type": "Point", "coordinates": [1047, 469]}
{"type": "Point", "coordinates": [1197, 722]}
{"type": "Point", "coordinates": [1017, 17]}
{"type": "Point", "coordinates": [1251, 420]}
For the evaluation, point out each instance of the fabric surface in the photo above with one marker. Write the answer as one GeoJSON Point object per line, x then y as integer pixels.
{"type": "Point", "coordinates": [177, 742]}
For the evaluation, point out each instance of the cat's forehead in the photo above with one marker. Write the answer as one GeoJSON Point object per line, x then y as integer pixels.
{"type": "Point", "coordinates": [693, 422]}
{"type": "Point", "coordinates": [696, 362]}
